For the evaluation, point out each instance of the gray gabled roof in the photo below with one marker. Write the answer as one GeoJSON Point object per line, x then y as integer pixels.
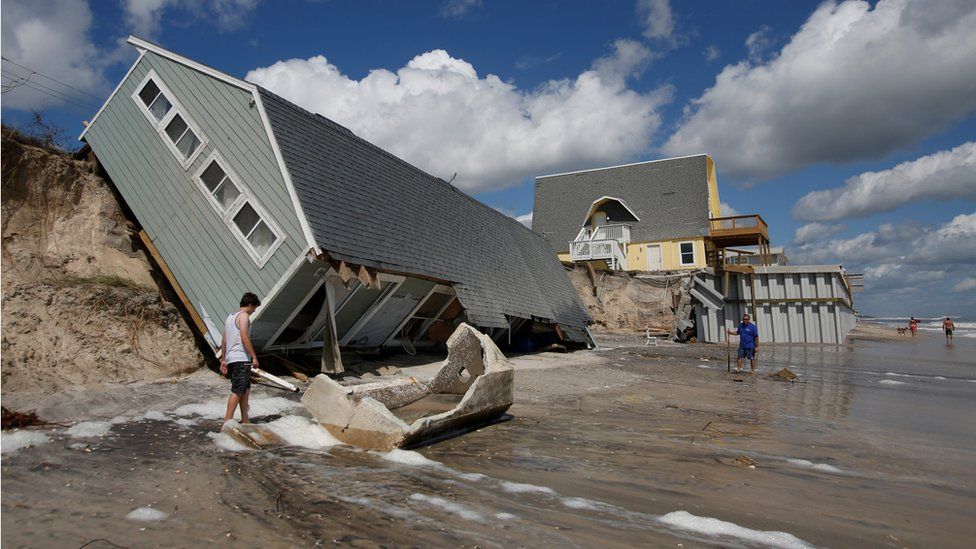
{"type": "Point", "coordinates": [368, 207]}
{"type": "Point", "coordinates": [669, 196]}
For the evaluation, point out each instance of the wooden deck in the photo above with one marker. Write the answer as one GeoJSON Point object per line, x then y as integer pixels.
{"type": "Point", "coordinates": [739, 230]}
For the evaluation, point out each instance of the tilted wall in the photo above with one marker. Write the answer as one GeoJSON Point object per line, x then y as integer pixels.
{"type": "Point", "coordinates": [206, 259]}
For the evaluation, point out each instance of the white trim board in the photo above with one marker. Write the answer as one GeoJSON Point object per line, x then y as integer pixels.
{"type": "Point", "coordinates": [115, 92]}
{"type": "Point", "coordinates": [209, 71]}
{"type": "Point", "coordinates": [282, 282]}
{"type": "Point", "coordinates": [621, 165]}
{"type": "Point", "coordinates": [292, 193]}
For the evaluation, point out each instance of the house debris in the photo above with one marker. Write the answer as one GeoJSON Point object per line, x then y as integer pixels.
{"type": "Point", "coordinates": [348, 247]}
{"type": "Point", "coordinates": [474, 386]}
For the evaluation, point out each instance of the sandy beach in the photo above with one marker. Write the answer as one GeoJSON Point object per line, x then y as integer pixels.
{"type": "Point", "coordinates": [625, 445]}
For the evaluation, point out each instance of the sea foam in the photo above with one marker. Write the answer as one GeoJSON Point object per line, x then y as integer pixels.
{"type": "Point", "coordinates": [714, 527]}
{"type": "Point", "coordinates": [147, 514]}
{"type": "Point", "coordinates": [11, 441]}
{"type": "Point", "coordinates": [818, 466]}
{"type": "Point", "coordinates": [87, 429]}
{"type": "Point", "coordinates": [448, 506]}
{"type": "Point", "coordinates": [259, 407]}
{"type": "Point", "coordinates": [301, 431]}
{"type": "Point", "coordinates": [409, 457]}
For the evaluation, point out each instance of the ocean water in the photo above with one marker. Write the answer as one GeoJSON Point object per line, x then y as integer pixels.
{"type": "Point", "coordinates": [965, 327]}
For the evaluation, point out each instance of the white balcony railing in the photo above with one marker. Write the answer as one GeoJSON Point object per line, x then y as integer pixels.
{"type": "Point", "coordinates": [604, 243]}
{"type": "Point", "coordinates": [612, 251]}
{"type": "Point", "coordinates": [620, 233]}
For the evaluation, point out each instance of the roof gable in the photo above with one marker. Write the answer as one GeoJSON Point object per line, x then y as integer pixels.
{"type": "Point", "coordinates": [669, 198]}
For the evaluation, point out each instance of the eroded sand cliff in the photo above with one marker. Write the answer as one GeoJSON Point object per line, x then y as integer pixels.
{"type": "Point", "coordinates": [80, 303]}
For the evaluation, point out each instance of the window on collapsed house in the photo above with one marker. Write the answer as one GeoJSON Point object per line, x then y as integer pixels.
{"type": "Point", "coordinates": [255, 230]}
{"type": "Point", "coordinates": [238, 209]}
{"type": "Point", "coordinates": [169, 119]}
{"type": "Point", "coordinates": [154, 100]}
{"type": "Point", "coordinates": [220, 186]}
{"type": "Point", "coordinates": [687, 250]}
{"type": "Point", "coordinates": [182, 136]}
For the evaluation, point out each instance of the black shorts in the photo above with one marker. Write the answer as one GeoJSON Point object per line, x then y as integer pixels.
{"type": "Point", "coordinates": [949, 332]}
{"type": "Point", "coordinates": [240, 377]}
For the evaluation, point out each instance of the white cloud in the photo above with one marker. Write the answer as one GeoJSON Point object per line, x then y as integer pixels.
{"type": "Point", "coordinates": [945, 175]}
{"type": "Point", "coordinates": [812, 232]}
{"type": "Point", "coordinates": [525, 219]}
{"type": "Point", "coordinates": [712, 53]}
{"type": "Point", "coordinates": [953, 242]}
{"type": "Point", "coordinates": [439, 114]}
{"type": "Point", "coordinates": [657, 18]}
{"type": "Point", "coordinates": [145, 17]}
{"type": "Point", "coordinates": [458, 9]}
{"type": "Point", "coordinates": [727, 209]}
{"type": "Point", "coordinates": [852, 83]}
{"type": "Point", "coordinates": [757, 43]}
{"type": "Point", "coordinates": [905, 266]}
{"type": "Point", "coordinates": [964, 285]}
{"type": "Point", "coordinates": [52, 38]}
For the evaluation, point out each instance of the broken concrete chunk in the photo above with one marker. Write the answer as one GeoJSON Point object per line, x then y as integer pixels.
{"type": "Point", "coordinates": [474, 385]}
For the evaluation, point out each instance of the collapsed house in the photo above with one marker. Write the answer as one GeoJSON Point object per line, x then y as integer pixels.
{"type": "Point", "coordinates": [664, 216]}
{"type": "Point", "coordinates": [236, 189]}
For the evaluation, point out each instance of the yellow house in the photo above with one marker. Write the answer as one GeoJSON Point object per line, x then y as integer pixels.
{"type": "Point", "coordinates": [661, 215]}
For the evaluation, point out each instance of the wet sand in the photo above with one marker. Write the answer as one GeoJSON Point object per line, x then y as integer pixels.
{"type": "Point", "coordinates": [873, 445]}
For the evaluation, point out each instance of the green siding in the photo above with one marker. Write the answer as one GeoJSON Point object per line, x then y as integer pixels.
{"type": "Point", "coordinates": [207, 260]}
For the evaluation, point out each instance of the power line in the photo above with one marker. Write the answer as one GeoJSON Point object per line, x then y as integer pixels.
{"type": "Point", "coordinates": [37, 86]}
{"type": "Point", "coordinates": [95, 97]}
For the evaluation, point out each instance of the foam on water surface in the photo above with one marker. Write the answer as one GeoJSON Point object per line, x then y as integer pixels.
{"type": "Point", "coordinates": [301, 431]}
{"type": "Point", "coordinates": [506, 516]}
{"type": "Point", "coordinates": [259, 407]}
{"type": "Point", "coordinates": [87, 429]}
{"type": "Point", "coordinates": [154, 415]}
{"type": "Point", "coordinates": [521, 488]}
{"type": "Point", "coordinates": [447, 506]}
{"type": "Point", "coordinates": [708, 526]}
{"type": "Point", "coordinates": [11, 441]}
{"type": "Point", "coordinates": [827, 468]}
{"type": "Point", "coordinates": [409, 457]}
{"type": "Point", "coordinates": [892, 382]}
{"type": "Point", "coordinates": [228, 443]}
{"type": "Point", "coordinates": [147, 514]}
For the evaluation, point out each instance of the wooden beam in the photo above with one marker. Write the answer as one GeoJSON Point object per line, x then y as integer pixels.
{"type": "Point", "coordinates": [363, 276]}
{"type": "Point", "coordinates": [345, 273]}
{"type": "Point", "coordinates": [198, 322]}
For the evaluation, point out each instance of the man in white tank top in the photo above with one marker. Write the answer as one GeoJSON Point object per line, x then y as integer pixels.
{"type": "Point", "coordinates": [237, 356]}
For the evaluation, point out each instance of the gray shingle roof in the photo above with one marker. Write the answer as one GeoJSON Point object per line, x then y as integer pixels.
{"type": "Point", "coordinates": [368, 207]}
{"type": "Point", "coordinates": [669, 196]}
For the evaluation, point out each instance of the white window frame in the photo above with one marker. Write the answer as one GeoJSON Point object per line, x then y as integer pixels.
{"type": "Point", "coordinates": [681, 259]}
{"type": "Point", "coordinates": [228, 215]}
{"type": "Point", "coordinates": [160, 125]}
{"type": "Point", "coordinates": [246, 198]}
{"type": "Point", "coordinates": [234, 180]}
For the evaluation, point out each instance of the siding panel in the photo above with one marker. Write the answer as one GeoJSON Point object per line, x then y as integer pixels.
{"type": "Point", "coordinates": [199, 248]}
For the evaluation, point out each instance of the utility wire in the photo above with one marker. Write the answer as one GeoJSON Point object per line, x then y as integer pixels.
{"type": "Point", "coordinates": [8, 60]}
{"type": "Point", "coordinates": [47, 90]}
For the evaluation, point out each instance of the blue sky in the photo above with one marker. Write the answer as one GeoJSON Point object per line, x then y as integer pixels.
{"type": "Point", "coordinates": [789, 98]}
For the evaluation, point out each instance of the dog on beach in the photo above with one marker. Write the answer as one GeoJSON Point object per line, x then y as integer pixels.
{"type": "Point", "coordinates": [902, 331]}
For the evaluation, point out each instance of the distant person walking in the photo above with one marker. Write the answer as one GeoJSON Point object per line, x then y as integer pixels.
{"type": "Point", "coordinates": [913, 326]}
{"type": "Point", "coordinates": [748, 343]}
{"type": "Point", "coordinates": [948, 326]}
{"type": "Point", "coordinates": [238, 356]}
